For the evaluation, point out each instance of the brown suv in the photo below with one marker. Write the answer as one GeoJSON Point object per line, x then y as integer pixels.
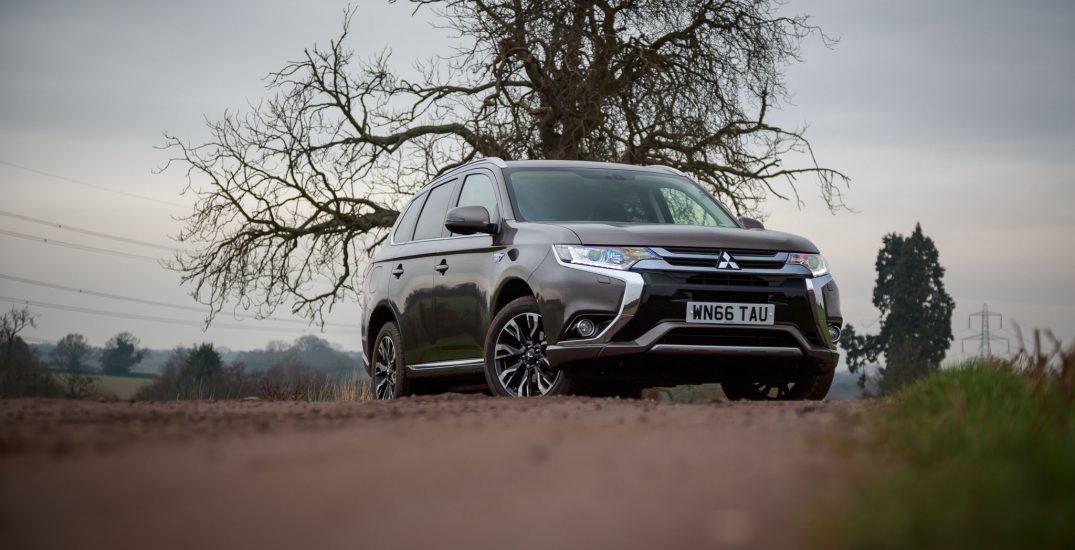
{"type": "Point", "coordinates": [546, 277]}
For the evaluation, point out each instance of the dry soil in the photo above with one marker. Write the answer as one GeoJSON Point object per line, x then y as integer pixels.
{"type": "Point", "coordinates": [433, 472]}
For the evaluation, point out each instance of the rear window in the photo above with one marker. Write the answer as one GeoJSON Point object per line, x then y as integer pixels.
{"type": "Point", "coordinates": [611, 196]}
{"type": "Point", "coordinates": [405, 229]}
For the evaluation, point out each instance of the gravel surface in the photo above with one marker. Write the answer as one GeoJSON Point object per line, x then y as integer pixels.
{"type": "Point", "coordinates": [433, 472]}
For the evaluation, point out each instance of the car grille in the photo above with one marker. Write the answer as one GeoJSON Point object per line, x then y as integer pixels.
{"type": "Point", "coordinates": [730, 337]}
{"type": "Point", "coordinates": [709, 257]}
{"type": "Point", "coordinates": [723, 279]}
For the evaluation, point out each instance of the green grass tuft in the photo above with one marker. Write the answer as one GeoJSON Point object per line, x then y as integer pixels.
{"type": "Point", "coordinates": [976, 456]}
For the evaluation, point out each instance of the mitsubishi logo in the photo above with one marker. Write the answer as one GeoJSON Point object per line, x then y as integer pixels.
{"type": "Point", "coordinates": [726, 261]}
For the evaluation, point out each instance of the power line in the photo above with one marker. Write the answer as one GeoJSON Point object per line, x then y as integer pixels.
{"type": "Point", "coordinates": [87, 184]}
{"type": "Point", "coordinates": [153, 302]}
{"type": "Point", "coordinates": [86, 231]}
{"type": "Point", "coordinates": [149, 318]}
{"type": "Point", "coordinates": [75, 246]}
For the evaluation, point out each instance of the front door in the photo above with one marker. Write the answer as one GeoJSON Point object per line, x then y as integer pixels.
{"type": "Point", "coordinates": [465, 265]}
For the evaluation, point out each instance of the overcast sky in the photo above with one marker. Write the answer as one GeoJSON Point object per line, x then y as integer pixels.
{"type": "Point", "coordinates": [955, 114]}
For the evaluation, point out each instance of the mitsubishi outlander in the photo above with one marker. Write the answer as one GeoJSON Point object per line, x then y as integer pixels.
{"type": "Point", "coordinates": [553, 277]}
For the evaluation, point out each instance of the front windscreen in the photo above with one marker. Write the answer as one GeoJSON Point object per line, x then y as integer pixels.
{"type": "Point", "coordinates": [611, 196]}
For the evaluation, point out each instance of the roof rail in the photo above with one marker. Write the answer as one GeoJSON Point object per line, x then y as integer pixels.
{"type": "Point", "coordinates": [669, 168]}
{"type": "Point", "coordinates": [499, 162]}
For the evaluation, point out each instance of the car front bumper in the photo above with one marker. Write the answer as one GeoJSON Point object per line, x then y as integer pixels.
{"type": "Point", "coordinates": [650, 319]}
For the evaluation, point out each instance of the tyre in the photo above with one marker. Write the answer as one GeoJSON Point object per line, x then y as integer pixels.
{"type": "Point", "coordinates": [813, 387]}
{"type": "Point", "coordinates": [389, 370]}
{"type": "Point", "coordinates": [515, 361]}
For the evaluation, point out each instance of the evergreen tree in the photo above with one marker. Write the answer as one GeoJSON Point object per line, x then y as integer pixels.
{"type": "Point", "coordinates": [203, 365]}
{"type": "Point", "coordinates": [120, 354]}
{"type": "Point", "coordinates": [916, 313]}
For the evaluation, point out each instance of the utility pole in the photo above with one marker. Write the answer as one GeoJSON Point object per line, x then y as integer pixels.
{"type": "Point", "coordinates": [985, 336]}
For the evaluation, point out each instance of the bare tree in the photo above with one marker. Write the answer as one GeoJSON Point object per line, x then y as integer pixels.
{"type": "Point", "coordinates": [294, 192]}
{"type": "Point", "coordinates": [71, 353]}
{"type": "Point", "coordinates": [11, 324]}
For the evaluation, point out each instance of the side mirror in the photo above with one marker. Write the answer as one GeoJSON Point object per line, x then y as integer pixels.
{"type": "Point", "coordinates": [467, 220]}
{"type": "Point", "coordinates": [751, 223]}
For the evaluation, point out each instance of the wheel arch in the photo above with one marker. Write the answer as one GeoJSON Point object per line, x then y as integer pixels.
{"type": "Point", "coordinates": [381, 316]}
{"type": "Point", "coordinates": [510, 289]}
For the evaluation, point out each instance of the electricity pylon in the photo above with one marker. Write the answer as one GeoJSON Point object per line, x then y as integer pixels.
{"type": "Point", "coordinates": [985, 337]}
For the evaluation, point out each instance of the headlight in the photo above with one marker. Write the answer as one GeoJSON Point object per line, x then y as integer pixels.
{"type": "Point", "coordinates": [814, 262]}
{"type": "Point", "coordinates": [612, 257]}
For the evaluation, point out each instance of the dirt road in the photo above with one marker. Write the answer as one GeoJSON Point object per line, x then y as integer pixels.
{"type": "Point", "coordinates": [442, 472]}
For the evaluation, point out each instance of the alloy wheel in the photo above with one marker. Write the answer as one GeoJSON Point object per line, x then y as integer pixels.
{"type": "Point", "coordinates": [384, 368]}
{"type": "Point", "coordinates": [520, 362]}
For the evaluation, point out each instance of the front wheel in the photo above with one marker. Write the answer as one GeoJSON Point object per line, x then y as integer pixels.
{"type": "Point", "coordinates": [811, 387]}
{"type": "Point", "coordinates": [515, 361]}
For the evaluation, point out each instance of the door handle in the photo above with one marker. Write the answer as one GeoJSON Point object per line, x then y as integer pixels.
{"type": "Point", "coordinates": [398, 270]}
{"type": "Point", "coordinates": [442, 267]}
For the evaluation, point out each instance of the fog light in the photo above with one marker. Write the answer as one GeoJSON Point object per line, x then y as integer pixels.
{"type": "Point", "coordinates": [586, 328]}
{"type": "Point", "coordinates": [835, 333]}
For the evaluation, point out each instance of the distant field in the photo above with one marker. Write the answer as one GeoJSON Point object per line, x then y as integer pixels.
{"type": "Point", "coordinates": [123, 387]}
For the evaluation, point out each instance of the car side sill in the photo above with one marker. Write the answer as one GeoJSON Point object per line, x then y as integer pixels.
{"type": "Point", "coordinates": [438, 368]}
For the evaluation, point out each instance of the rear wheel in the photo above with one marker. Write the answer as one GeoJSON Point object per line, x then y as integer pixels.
{"type": "Point", "coordinates": [515, 361]}
{"type": "Point", "coordinates": [389, 371]}
{"type": "Point", "coordinates": [813, 387]}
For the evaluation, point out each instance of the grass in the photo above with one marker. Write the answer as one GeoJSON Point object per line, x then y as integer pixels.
{"type": "Point", "coordinates": [119, 387]}
{"type": "Point", "coordinates": [348, 389]}
{"type": "Point", "coordinates": [982, 455]}
{"type": "Point", "coordinates": [352, 389]}
{"type": "Point", "coordinates": [122, 387]}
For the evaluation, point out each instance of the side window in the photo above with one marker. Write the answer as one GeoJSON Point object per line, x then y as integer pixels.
{"type": "Point", "coordinates": [478, 190]}
{"type": "Point", "coordinates": [684, 209]}
{"type": "Point", "coordinates": [431, 221]}
{"type": "Point", "coordinates": [406, 221]}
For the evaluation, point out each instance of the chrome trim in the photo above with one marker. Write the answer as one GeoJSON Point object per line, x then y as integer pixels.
{"type": "Point", "coordinates": [438, 239]}
{"type": "Point", "coordinates": [813, 290]}
{"type": "Point", "coordinates": [775, 258]}
{"type": "Point", "coordinates": [632, 297]}
{"type": "Point", "coordinates": [762, 255]}
{"type": "Point", "coordinates": [660, 330]}
{"type": "Point", "coordinates": [786, 270]}
{"type": "Point", "coordinates": [740, 351]}
{"type": "Point", "coordinates": [439, 367]}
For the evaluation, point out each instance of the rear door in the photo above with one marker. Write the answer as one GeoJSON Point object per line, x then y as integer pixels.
{"type": "Point", "coordinates": [465, 265]}
{"type": "Point", "coordinates": [411, 273]}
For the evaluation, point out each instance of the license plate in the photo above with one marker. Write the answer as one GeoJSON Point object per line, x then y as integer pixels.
{"type": "Point", "coordinates": [730, 314]}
